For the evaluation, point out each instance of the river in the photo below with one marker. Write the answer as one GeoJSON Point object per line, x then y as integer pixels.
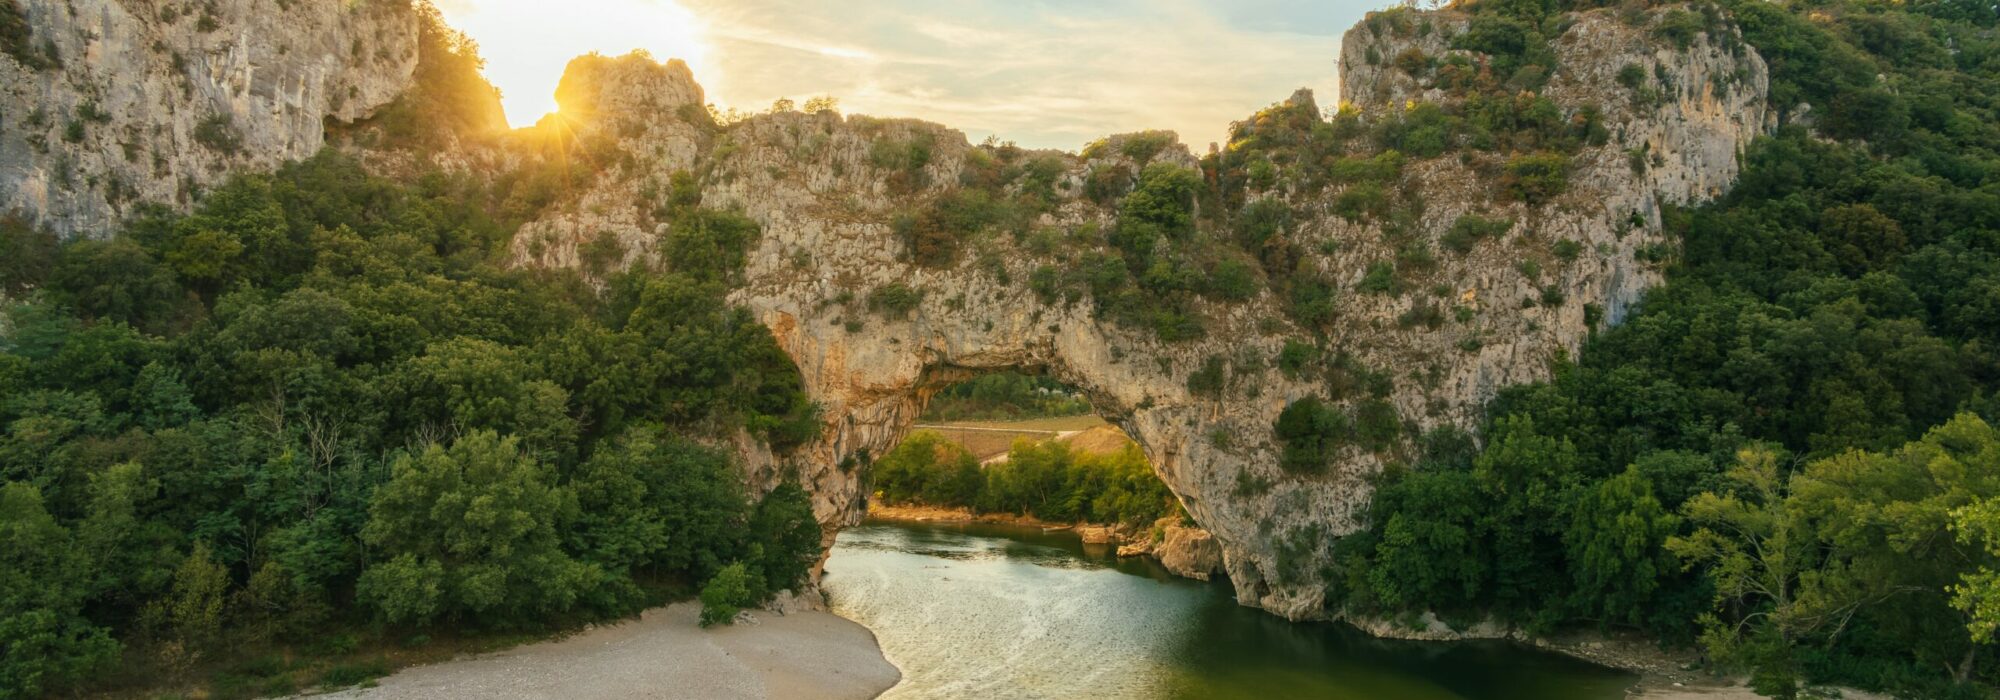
{"type": "Point", "coordinates": [996, 611]}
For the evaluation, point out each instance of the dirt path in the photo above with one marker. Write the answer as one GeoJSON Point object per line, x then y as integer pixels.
{"type": "Point", "coordinates": [664, 654]}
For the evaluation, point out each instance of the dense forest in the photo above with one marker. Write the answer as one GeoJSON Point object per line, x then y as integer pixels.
{"type": "Point", "coordinates": [320, 415]}
{"type": "Point", "coordinates": [1787, 455]}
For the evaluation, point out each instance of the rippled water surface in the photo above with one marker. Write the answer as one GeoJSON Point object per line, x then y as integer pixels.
{"type": "Point", "coordinates": [991, 611]}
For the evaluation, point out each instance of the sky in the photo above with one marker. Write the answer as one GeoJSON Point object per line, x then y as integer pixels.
{"type": "Point", "coordinates": [1041, 73]}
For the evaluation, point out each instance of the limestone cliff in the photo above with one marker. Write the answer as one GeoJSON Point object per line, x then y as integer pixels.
{"type": "Point", "coordinates": [829, 191]}
{"type": "Point", "coordinates": [114, 103]}
{"type": "Point", "coordinates": [111, 103]}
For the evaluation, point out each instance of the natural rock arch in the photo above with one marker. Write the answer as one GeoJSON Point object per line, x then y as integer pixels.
{"type": "Point", "coordinates": [828, 201]}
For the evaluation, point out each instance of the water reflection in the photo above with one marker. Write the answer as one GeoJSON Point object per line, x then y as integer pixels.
{"type": "Point", "coordinates": [970, 610]}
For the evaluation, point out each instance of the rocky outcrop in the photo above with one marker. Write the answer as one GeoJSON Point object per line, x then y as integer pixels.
{"type": "Point", "coordinates": [115, 103]}
{"type": "Point", "coordinates": [1189, 552]}
{"type": "Point", "coordinates": [829, 192]}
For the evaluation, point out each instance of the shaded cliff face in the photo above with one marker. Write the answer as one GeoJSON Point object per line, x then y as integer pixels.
{"type": "Point", "coordinates": [830, 193]}
{"type": "Point", "coordinates": [113, 103]}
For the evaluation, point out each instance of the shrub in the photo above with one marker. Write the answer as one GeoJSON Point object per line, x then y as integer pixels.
{"type": "Point", "coordinates": [894, 300]}
{"type": "Point", "coordinates": [934, 235]}
{"type": "Point", "coordinates": [1232, 280]}
{"type": "Point", "coordinates": [1260, 221]}
{"type": "Point", "coordinates": [725, 595]}
{"type": "Point", "coordinates": [1380, 279]}
{"type": "Point", "coordinates": [1632, 76]}
{"type": "Point", "coordinates": [1310, 431]}
{"type": "Point", "coordinates": [1144, 145]}
{"type": "Point", "coordinates": [218, 132]}
{"type": "Point", "coordinates": [1376, 424]}
{"type": "Point", "coordinates": [1536, 178]}
{"type": "Point", "coordinates": [1210, 380]}
{"type": "Point", "coordinates": [1680, 27]}
{"type": "Point", "coordinates": [1163, 201]}
{"type": "Point", "coordinates": [1470, 229]}
{"type": "Point", "coordinates": [1314, 302]}
{"type": "Point", "coordinates": [1296, 356]}
{"type": "Point", "coordinates": [17, 39]}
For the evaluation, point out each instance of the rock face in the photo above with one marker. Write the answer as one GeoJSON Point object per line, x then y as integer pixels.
{"type": "Point", "coordinates": [117, 102]}
{"type": "Point", "coordinates": [122, 102]}
{"type": "Point", "coordinates": [1189, 552]}
{"type": "Point", "coordinates": [829, 190]}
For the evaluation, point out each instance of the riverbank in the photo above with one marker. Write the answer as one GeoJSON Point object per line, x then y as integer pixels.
{"type": "Point", "coordinates": [1091, 533]}
{"type": "Point", "coordinates": [802, 654]}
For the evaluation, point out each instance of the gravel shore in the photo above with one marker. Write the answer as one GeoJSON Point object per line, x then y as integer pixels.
{"type": "Point", "coordinates": [664, 654]}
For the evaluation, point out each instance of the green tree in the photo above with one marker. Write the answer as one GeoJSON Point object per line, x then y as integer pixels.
{"type": "Point", "coordinates": [1616, 548]}
{"type": "Point", "coordinates": [46, 645]}
{"type": "Point", "coordinates": [653, 503]}
{"type": "Point", "coordinates": [472, 530]}
{"type": "Point", "coordinates": [726, 594]}
{"type": "Point", "coordinates": [789, 536]}
{"type": "Point", "coordinates": [1762, 558]}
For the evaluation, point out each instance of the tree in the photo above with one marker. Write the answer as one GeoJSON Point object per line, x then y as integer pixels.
{"type": "Point", "coordinates": [471, 529]}
{"type": "Point", "coordinates": [789, 537]}
{"type": "Point", "coordinates": [653, 503]}
{"type": "Point", "coordinates": [1760, 556]}
{"type": "Point", "coordinates": [725, 595]}
{"type": "Point", "coordinates": [1616, 548]}
{"type": "Point", "coordinates": [1310, 431]}
{"type": "Point", "coordinates": [1886, 520]}
{"type": "Point", "coordinates": [190, 617]}
{"type": "Point", "coordinates": [45, 643]}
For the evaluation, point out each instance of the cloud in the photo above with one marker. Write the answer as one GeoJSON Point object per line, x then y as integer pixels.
{"type": "Point", "coordinates": [1044, 73]}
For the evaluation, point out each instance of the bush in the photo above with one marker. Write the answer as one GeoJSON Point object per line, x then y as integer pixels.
{"type": "Point", "coordinates": [1537, 178]}
{"type": "Point", "coordinates": [710, 245]}
{"type": "Point", "coordinates": [1470, 229]}
{"type": "Point", "coordinates": [218, 132]}
{"type": "Point", "coordinates": [1632, 76]}
{"type": "Point", "coordinates": [894, 300]}
{"type": "Point", "coordinates": [934, 236]}
{"type": "Point", "coordinates": [1210, 380]}
{"type": "Point", "coordinates": [1380, 279]}
{"type": "Point", "coordinates": [726, 594]}
{"type": "Point", "coordinates": [17, 39]}
{"type": "Point", "coordinates": [1310, 431]}
{"type": "Point", "coordinates": [1296, 357]}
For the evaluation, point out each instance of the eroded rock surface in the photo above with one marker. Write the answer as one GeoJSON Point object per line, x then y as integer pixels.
{"type": "Point", "coordinates": [1189, 552]}
{"type": "Point", "coordinates": [123, 102]}
{"type": "Point", "coordinates": [828, 201]}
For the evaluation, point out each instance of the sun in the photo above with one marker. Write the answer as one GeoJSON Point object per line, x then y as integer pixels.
{"type": "Point", "coordinates": [527, 43]}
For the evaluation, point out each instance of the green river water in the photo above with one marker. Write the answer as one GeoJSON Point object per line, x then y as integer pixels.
{"type": "Point", "coordinates": [994, 611]}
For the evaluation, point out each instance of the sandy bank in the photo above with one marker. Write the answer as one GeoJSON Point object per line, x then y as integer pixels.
{"type": "Point", "coordinates": [664, 654]}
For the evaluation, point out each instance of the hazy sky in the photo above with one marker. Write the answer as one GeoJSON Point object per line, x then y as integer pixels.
{"type": "Point", "coordinates": [1040, 72]}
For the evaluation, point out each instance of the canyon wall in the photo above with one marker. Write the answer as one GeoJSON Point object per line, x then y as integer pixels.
{"type": "Point", "coordinates": [109, 104]}
{"type": "Point", "coordinates": [832, 193]}
{"type": "Point", "coordinates": [112, 103]}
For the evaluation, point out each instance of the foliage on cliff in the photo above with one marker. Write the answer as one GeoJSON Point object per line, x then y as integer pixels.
{"type": "Point", "coordinates": [1798, 411]}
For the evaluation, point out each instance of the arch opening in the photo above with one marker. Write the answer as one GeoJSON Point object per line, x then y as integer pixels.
{"type": "Point", "coordinates": [1021, 446]}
